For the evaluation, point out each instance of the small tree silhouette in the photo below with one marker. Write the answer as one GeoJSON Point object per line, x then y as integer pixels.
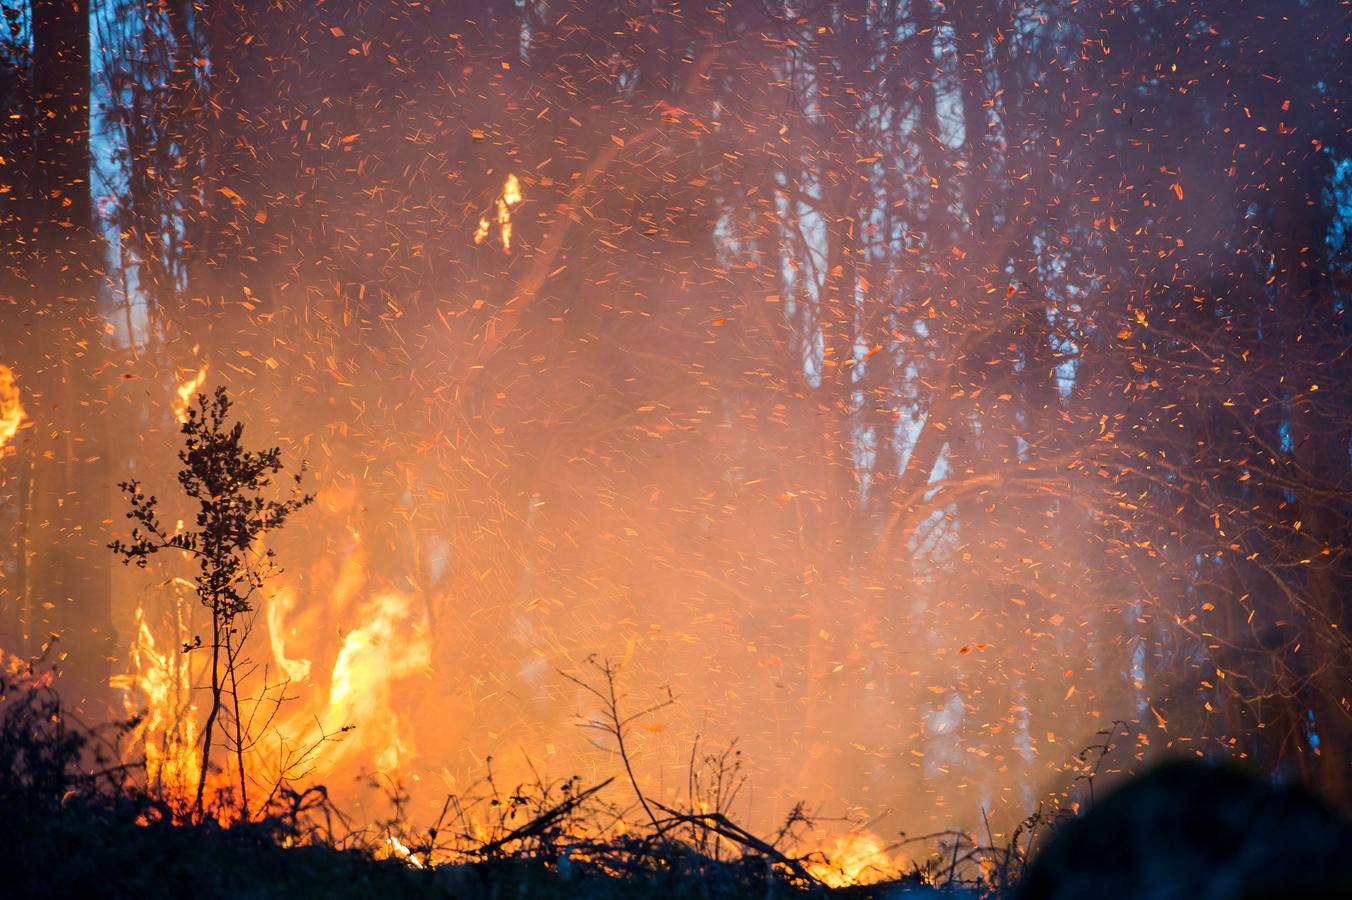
{"type": "Point", "coordinates": [228, 482]}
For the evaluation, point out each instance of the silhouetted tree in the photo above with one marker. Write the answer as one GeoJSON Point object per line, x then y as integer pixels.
{"type": "Point", "coordinates": [228, 483]}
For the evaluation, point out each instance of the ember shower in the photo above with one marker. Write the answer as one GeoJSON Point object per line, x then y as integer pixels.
{"type": "Point", "coordinates": [915, 388]}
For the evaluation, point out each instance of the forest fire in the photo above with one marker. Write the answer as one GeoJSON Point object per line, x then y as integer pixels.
{"type": "Point", "coordinates": [650, 439]}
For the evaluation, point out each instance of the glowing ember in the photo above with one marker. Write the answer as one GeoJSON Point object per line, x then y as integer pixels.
{"type": "Point", "coordinates": [11, 410]}
{"type": "Point", "coordinates": [511, 191]}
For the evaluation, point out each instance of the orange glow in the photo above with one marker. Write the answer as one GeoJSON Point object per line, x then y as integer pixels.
{"type": "Point", "coordinates": [186, 390]}
{"type": "Point", "coordinates": [392, 644]}
{"type": "Point", "coordinates": [856, 858]}
{"type": "Point", "coordinates": [889, 415]}
{"type": "Point", "coordinates": [511, 196]}
{"type": "Point", "coordinates": [11, 410]}
{"type": "Point", "coordinates": [157, 689]}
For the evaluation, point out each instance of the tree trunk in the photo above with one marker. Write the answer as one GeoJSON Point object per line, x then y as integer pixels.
{"type": "Point", "coordinates": [62, 336]}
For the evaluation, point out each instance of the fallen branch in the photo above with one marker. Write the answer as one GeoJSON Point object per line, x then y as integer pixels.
{"type": "Point", "coordinates": [542, 822]}
{"type": "Point", "coordinates": [724, 827]}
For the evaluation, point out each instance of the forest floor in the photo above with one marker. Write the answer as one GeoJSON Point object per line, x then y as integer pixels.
{"type": "Point", "coordinates": [86, 852]}
{"type": "Point", "coordinates": [75, 822]}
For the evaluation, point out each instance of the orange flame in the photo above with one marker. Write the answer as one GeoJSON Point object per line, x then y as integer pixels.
{"type": "Point", "coordinates": [279, 607]}
{"type": "Point", "coordinates": [11, 410]}
{"type": "Point", "coordinates": [857, 858]}
{"type": "Point", "coordinates": [185, 390]}
{"type": "Point", "coordinates": [389, 642]}
{"type": "Point", "coordinates": [158, 690]}
{"type": "Point", "coordinates": [393, 644]}
{"type": "Point", "coordinates": [511, 196]}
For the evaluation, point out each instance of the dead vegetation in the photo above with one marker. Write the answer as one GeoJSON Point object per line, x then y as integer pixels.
{"type": "Point", "coordinates": [67, 797]}
{"type": "Point", "coordinates": [80, 823]}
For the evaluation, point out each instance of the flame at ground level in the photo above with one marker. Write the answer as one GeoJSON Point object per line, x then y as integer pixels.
{"type": "Point", "coordinates": [345, 635]}
{"type": "Point", "coordinates": [385, 644]}
{"type": "Point", "coordinates": [157, 693]}
{"type": "Point", "coordinates": [856, 858]}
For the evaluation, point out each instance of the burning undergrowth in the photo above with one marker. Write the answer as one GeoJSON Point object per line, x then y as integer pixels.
{"type": "Point", "coordinates": [219, 745]}
{"type": "Point", "coordinates": [89, 816]}
{"type": "Point", "coordinates": [217, 781]}
{"type": "Point", "coordinates": [221, 756]}
{"type": "Point", "coordinates": [82, 822]}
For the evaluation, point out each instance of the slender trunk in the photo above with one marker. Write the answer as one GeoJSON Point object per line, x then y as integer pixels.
{"type": "Point", "coordinates": [970, 31]}
{"type": "Point", "coordinates": [209, 729]}
{"type": "Point", "coordinates": [68, 446]}
{"type": "Point", "coordinates": [834, 674]}
{"type": "Point", "coordinates": [23, 610]}
{"type": "Point", "coordinates": [232, 671]}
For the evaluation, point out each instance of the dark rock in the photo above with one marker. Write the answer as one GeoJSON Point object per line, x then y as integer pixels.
{"type": "Point", "coordinates": [1191, 830]}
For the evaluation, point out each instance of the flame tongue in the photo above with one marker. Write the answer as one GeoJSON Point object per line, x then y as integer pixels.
{"type": "Point", "coordinates": [389, 646]}
{"type": "Point", "coordinates": [511, 196]}
{"type": "Point", "coordinates": [389, 642]}
{"type": "Point", "coordinates": [185, 391]}
{"type": "Point", "coordinates": [11, 410]}
{"type": "Point", "coordinates": [158, 690]}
